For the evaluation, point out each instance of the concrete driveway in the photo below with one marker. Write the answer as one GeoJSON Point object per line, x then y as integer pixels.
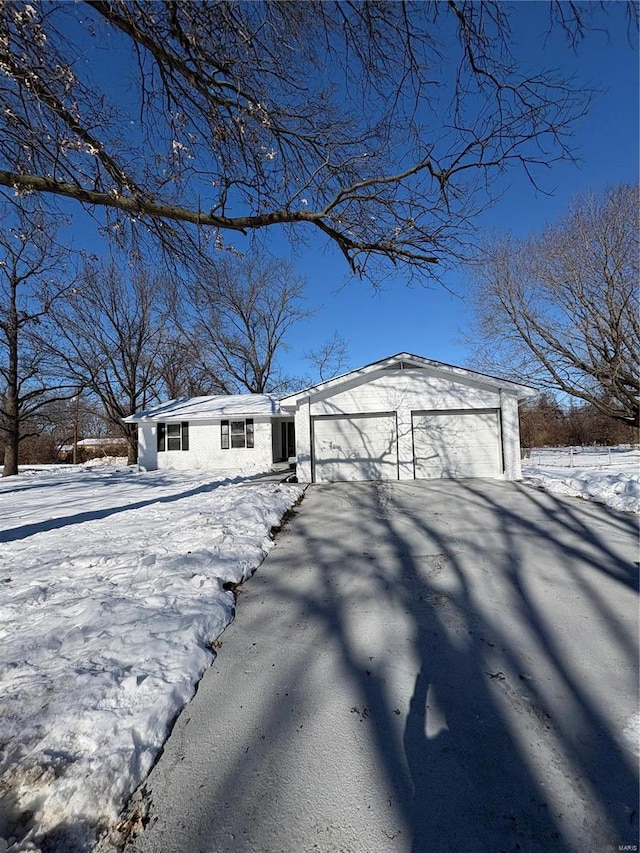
{"type": "Point", "coordinates": [425, 667]}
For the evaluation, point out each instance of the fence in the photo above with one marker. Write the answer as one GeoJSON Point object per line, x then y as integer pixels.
{"type": "Point", "coordinates": [583, 456]}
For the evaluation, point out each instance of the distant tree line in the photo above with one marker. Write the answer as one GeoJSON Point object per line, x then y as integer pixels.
{"type": "Point", "coordinates": [545, 423]}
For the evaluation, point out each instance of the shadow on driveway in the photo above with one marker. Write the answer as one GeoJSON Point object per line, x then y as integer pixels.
{"type": "Point", "coordinates": [422, 668]}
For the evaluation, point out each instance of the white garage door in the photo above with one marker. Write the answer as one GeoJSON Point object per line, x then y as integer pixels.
{"type": "Point", "coordinates": [358, 447]}
{"type": "Point", "coordinates": [457, 444]}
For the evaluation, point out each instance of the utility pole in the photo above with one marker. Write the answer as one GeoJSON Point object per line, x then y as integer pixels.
{"type": "Point", "coordinates": [76, 416]}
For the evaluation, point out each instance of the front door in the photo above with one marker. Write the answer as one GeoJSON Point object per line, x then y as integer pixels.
{"type": "Point", "coordinates": [288, 439]}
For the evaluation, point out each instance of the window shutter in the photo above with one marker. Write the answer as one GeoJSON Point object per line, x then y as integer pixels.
{"type": "Point", "coordinates": [185, 435]}
{"type": "Point", "coordinates": [249, 427]}
{"type": "Point", "coordinates": [161, 436]}
{"type": "Point", "coordinates": [224, 435]}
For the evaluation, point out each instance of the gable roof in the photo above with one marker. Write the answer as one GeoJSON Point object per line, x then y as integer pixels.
{"type": "Point", "coordinates": [209, 408]}
{"type": "Point", "coordinates": [406, 360]}
{"type": "Point", "coordinates": [249, 405]}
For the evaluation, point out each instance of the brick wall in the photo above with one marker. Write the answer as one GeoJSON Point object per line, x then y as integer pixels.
{"type": "Point", "coordinates": [205, 450]}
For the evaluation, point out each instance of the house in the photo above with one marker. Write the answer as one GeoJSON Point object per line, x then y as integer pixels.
{"type": "Point", "coordinates": [92, 448]}
{"type": "Point", "coordinates": [236, 434]}
{"type": "Point", "coordinates": [401, 418]}
{"type": "Point", "coordinates": [405, 418]}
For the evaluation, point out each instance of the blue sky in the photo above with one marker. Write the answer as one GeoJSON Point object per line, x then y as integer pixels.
{"type": "Point", "coordinates": [431, 321]}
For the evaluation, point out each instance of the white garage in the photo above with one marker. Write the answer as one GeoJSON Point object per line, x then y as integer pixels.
{"type": "Point", "coordinates": [407, 417]}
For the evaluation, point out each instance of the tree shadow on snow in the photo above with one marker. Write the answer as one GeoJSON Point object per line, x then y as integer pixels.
{"type": "Point", "coordinates": [500, 740]}
{"type": "Point", "coordinates": [26, 530]}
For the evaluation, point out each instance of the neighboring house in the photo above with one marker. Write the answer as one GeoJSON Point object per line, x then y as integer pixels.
{"type": "Point", "coordinates": [236, 434]}
{"type": "Point", "coordinates": [91, 448]}
{"type": "Point", "coordinates": [405, 417]}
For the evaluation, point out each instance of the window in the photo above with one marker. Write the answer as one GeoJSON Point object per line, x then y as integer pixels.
{"type": "Point", "coordinates": [236, 434]}
{"type": "Point", "coordinates": [173, 436]}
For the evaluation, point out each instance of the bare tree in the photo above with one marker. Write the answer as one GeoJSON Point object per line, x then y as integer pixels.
{"type": "Point", "coordinates": [182, 369]}
{"type": "Point", "coordinates": [60, 422]}
{"type": "Point", "coordinates": [559, 308]}
{"type": "Point", "coordinates": [31, 264]}
{"type": "Point", "coordinates": [380, 125]}
{"type": "Point", "coordinates": [545, 423]}
{"type": "Point", "coordinates": [330, 358]}
{"type": "Point", "coordinates": [110, 336]}
{"type": "Point", "coordinates": [242, 309]}
{"type": "Point", "coordinates": [542, 422]}
{"type": "Point", "coordinates": [586, 425]}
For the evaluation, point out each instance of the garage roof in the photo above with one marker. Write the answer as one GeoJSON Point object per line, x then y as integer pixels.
{"type": "Point", "coordinates": [405, 361]}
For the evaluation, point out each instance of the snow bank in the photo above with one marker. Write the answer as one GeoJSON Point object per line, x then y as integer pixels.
{"type": "Point", "coordinates": [105, 460]}
{"type": "Point", "coordinates": [111, 598]}
{"type": "Point", "coordinates": [616, 485]}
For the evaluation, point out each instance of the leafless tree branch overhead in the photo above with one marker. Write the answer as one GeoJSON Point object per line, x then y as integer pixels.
{"type": "Point", "coordinates": [353, 119]}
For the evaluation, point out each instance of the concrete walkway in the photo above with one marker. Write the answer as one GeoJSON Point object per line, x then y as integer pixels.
{"type": "Point", "coordinates": [425, 667]}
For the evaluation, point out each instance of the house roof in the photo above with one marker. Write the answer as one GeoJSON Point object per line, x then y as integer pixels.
{"type": "Point", "coordinates": [101, 442]}
{"type": "Point", "coordinates": [210, 408]}
{"type": "Point", "coordinates": [107, 441]}
{"type": "Point", "coordinates": [250, 405]}
{"type": "Point", "coordinates": [408, 360]}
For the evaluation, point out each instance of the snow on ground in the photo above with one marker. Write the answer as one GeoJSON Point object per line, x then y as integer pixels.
{"type": "Point", "coordinates": [609, 476]}
{"type": "Point", "coordinates": [111, 598]}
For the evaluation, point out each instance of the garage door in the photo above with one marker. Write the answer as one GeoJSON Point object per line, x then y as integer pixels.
{"type": "Point", "coordinates": [456, 444]}
{"type": "Point", "coordinates": [360, 447]}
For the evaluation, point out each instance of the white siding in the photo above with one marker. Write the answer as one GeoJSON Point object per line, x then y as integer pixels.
{"type": "Point", "coordinates": [355, 448]}
{"type": "Point", "coordinates": [405, 392]}
{"type": "Point", "coordinates": [303, 443]}
{"type": "Point", "coordinates": [205, 451]}
{"type": "Point", "coordinates": [147, 443]}
{"type": "Point", "coordinates": [511, 437]}
{"type": "Point", "coordinates": [457, 444]}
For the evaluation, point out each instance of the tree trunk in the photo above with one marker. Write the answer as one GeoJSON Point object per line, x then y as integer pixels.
{"type": "Point", "coordinates": [132, 445]}
{"type": "Point", "coordinates": [12, 414]}
{"type": "Point", "coordinates": [10, 468]}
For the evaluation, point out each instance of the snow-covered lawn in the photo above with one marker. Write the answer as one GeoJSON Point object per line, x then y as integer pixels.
{"type": "Point", "coordinates": [111, 600]}
{"type": "Point", "coordinates": [607, 476]}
